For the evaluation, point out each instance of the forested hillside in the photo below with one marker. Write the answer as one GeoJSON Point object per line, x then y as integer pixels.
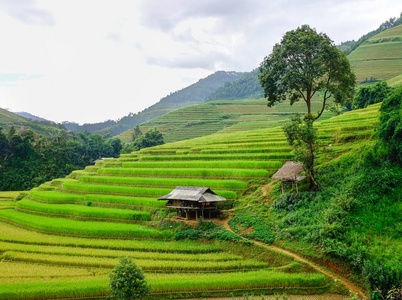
{"type": "Point", "coordinates": [28, 159]}
{"type": "Point", "coordinates": [245, 87]}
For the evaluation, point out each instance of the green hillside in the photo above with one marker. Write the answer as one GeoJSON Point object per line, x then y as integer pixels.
{"type": "Point", "coordinates": [8, 119]}
{"type": "Point", "coordinates": [380, 57]}
{"type": "Point", "coordinates": [220, 117]}
{"type": "Point", "coordinates": [113, 204]}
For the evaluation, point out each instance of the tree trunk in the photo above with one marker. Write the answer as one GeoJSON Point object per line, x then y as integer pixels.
{"type": "Point", "coordinates": [313, 182]}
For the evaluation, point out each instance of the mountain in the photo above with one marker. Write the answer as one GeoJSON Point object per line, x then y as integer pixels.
{"type": "Point", "coordinates": [246, 86]}
{"type": "Point", "coordinates": [379, 57]}
{"type": "Point", "coordinates": [193, 94]}
{"type": "Point", "coordinates": [9, 117]}
{"type": "Point", "coordinates": [31, 116]}
{"type": "Point", "coordinates": [350, 46]}
{"type": "Point", "coordinates": [45, 128]}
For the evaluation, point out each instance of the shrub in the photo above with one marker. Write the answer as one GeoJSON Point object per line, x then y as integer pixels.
{"type": "Point", "coordinates": [371, 94]}
{"type": "Point", "coordinates": [127, 281]}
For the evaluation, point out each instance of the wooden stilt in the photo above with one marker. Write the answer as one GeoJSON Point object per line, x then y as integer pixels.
{"type": "Point", "coordinates": [209, 212]}
{"type": "Point", "coordinates": [282, 187]}
{"type": "Point", "coordinates": [196, 215]}
{"type": "Point", "coordinates": [169, 212]}
{"type": "Point", "coordinates": [186, 214]}
{"type": "Point", "coordinates": [203, 213]}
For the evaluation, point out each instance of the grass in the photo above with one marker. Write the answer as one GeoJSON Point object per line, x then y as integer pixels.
{"type": "Point", "coordinates": [89, 228]}
{"type": "Point", "coordinates": [124, 200]}
{"type": "Point", "coordinates": [206, 157]}
{"type": "Point", "coordinates": [110, 253]}
{"type": "Point", "coordinates": [146, 264]}
{"type": "Point", "coordinates": [9, 233]}
{"type": "Point", "coordinates": [128, 190]}
{"type": "Point", "coordinates": [165, 182]}
{"type": "Point", "coordinates": [161, 283]}
{"type": "Point", "coordinates": [55, 196]}
{"type": "Point", "coordinates": [189, 172]}
{"type": "Point", "coordinates": [217, 164]}
{"type": "Point", "coordinates": [82, 211]}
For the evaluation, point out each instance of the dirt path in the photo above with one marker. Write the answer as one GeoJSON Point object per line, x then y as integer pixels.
{"type": "Point", "coordinates": [355, 289]}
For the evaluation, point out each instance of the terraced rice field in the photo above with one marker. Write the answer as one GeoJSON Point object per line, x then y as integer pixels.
{"type": "Point", "coordinates": [64, 238]}
{"type": "Point", "coordinates": [221, 117]}
{"type": "Point", "coordinates": [379, 57]}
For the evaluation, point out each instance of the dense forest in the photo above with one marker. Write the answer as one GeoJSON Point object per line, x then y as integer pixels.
{"type": "Point", "coordinates": [28, 159]}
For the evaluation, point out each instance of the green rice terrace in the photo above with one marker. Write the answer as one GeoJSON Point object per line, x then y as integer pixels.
{"type": "Point", "coordinates": [62, 239]}
{"type": "Point", "coordinates": [380, 57]}
{"type": "Point", "coordinates": [221, 117]}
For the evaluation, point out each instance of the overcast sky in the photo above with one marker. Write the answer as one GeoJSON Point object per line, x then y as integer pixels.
{"type": "Point", "coordinates": [92, 60]}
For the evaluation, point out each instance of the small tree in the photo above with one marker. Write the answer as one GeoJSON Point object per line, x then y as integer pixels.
{"type": "Point", "coordinates": [305, 64]}
{"type": "Point", "coordinates": [301, 134]}
{"type": "Point", "coordinates": [152, 137]}
{"type": "Point", "coordinates": [136, 134]}
{"type": "Point", "coordinates": [127, 281]}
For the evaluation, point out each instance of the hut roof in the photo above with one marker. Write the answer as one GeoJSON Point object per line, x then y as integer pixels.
{"type": "Point", "coordinates": [193, 193]}
{"type": "Point", "coordinates": [289, 171]}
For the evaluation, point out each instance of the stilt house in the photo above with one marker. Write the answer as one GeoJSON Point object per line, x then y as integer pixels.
{"type": "Point", "coordinates": [191, 201]}
{"type": "Point", "coordinates": [289, 173]}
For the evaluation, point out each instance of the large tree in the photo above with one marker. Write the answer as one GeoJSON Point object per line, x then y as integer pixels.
{"type": "Point", "coordinates": [303, 65]}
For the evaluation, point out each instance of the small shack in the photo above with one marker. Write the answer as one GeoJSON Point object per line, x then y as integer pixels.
{"type": "Point", "coordinates": [289, 173]}
{"type": "Point", "coordinates": [192, 200]}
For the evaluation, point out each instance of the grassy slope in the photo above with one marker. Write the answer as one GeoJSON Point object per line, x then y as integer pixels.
{"type": "Point", "coordinates": [220, 117]}
{"type": "Point", "coordinates": [8, 119]}
{"type": "Point", "coordinates": [379, 57]}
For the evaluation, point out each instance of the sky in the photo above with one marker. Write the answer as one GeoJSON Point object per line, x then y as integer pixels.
{"type": "Point", "coordinates": [89, 61]}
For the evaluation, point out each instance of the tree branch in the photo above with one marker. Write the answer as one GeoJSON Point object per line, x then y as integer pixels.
{"type": "Point", "coordinates": [324, 102]}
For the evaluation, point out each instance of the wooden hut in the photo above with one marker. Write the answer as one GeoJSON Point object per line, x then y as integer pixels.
{"type": "Point", "coordinates": [192, 200]}
{"type": "Point", "coordinates": [290, 173]}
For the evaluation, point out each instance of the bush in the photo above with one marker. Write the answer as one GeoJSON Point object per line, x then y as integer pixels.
{"type": "Point", "coordinates": [127, 281]}
{"type": "Point", "coordinates": [191, 234]}
{"type": "Point", "coordinates": [390, 126]}
{"type": "Point", "coordinates": [381, 278]}
{"type": "Point", "coordinates": [371, 94]}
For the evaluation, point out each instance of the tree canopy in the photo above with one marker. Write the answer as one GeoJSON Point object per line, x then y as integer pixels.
{"type": "Point", "coordinates": [304, 64]}
{"type": "Point", "coordinates": [28, 159]}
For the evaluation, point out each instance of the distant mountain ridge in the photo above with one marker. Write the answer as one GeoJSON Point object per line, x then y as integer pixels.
{"type": "Point", "coordinates": [21, 123]}
{"type": "Point", "coordinates": [31, 116]}
{"type": "Point", "coordinates": [193, 94]}
{"type": "Point", "coordinates": [246, 86]}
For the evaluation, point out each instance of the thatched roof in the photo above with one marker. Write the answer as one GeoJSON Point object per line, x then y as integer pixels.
{"type": "Point", "coordinates": [289, 172]}
{"type": "Point", "coordinates": [192, 193]}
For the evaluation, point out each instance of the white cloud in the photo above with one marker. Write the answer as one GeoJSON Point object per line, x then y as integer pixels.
{"type": "Point", "coordinates": [101, 59]}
